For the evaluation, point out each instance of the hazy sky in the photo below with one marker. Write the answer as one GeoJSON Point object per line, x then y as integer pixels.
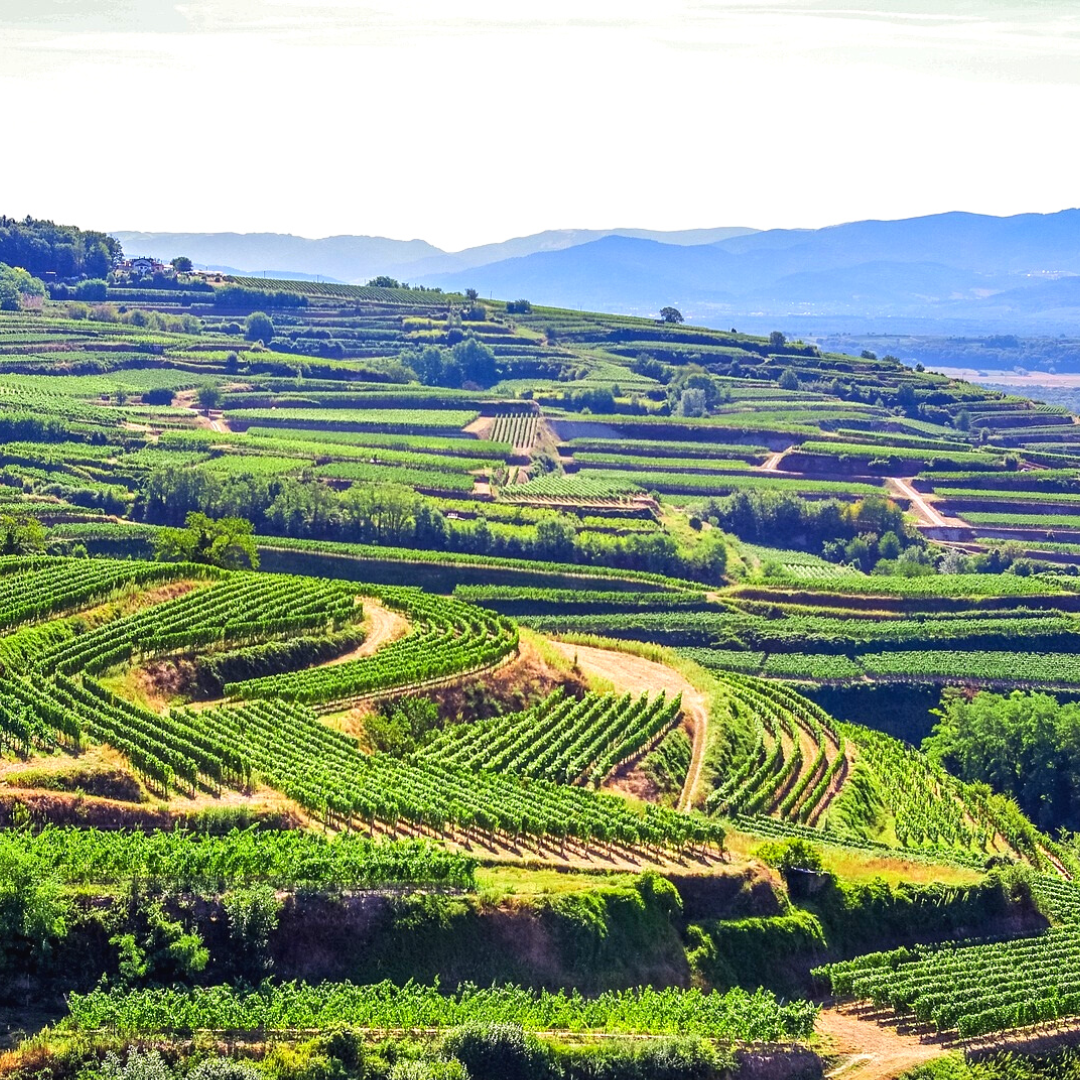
{"type": "Point", "coordinates": [475, 120]}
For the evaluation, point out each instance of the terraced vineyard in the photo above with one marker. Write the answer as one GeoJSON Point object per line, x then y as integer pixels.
{"type": "Point", "coordinates": [797, 761]}
{"type": "Point", "coordinates": [50, 697]}
{"type": "Point", "coordinates": [792, 520]}
{"type": "Point", "coordinates": [561, 739]}
{"type": "Point", "coordinates": [518, 430]}
{"type": "Point", "coordinates": [448, 638]}
{"type": "Point", "coordinates": [732, 1016]}
{"type": "Point", "coordinates": [973, 990]}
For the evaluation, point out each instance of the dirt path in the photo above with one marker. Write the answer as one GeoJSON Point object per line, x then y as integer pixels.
{"type": "Point", "coordinates": [772, 462]}
{"type": "Point", "coordinates": [381, 626]}
{"type": "Point", "coordinates": [835, 784]}
{"type": "Point", "coordinates": [926, 512]}
{"type": "Point", "coordinates": [874, 1050]}
{"type": "Point", "coordinates": [637, 675]}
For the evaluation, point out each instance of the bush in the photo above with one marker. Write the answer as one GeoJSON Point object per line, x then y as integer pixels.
{"type": "Point", "coordinates": [791, 854]}
{"type": "Point", "coordinates": [140, 1065]}
{"type": "Point", "coordinates": [499, 1052]}
{"type": "Point", "coordinates": [259, 327]}
{"type": "Point", "coordinates": [223, 1068]}
{"type": "Point", "coordinates": [661, 1059]}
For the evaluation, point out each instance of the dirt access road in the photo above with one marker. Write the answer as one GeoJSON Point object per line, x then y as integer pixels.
{"type": "Point", "coordinates": [381, 626]}
{"type": "Point", "coordinates": [772, 462]}
{"type": "Point", "coordinates": [637, 675]}
{"type": "Point", "coordinates": [927, 514]}
{"type": "Point", "coordinates": [872, 1050]}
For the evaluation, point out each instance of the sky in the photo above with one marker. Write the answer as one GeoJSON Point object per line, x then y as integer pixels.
{"type": "Point", "coordinates": [474, 121]}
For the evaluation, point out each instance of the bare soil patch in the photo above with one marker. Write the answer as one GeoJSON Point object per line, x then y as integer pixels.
{"type": "Point", "coordinates": [381, 626]}
{"type": "Point", "coordinates": [876, 1050]}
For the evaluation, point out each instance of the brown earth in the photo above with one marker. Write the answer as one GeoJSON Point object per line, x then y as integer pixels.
{"type": "Point", "coordinates": [86, 811]}
{"type": "Point", "coordinates": [381, 626]}
{"type": "Point", "coordinates": [874, 1049]}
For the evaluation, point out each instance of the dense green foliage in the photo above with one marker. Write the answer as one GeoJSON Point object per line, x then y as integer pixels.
{"type": "Point", "coordinates": [1026, 745]}
{"type": "Point", "coordinates": [732, 1016]}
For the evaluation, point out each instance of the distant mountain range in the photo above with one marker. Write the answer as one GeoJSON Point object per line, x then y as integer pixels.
{"type": "Point", "coordinates": [360, 258]}
{"type": "Point", "coordinates": [957, 272]}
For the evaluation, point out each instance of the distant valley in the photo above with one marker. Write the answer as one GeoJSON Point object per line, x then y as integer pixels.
{"type": "Point", "coordinates": [955, 273]}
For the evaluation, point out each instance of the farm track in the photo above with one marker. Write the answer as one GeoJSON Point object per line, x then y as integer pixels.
{"type": "Point", "coordinates": [637, 675]}
{"type": "Point", "coordinates": [875, 1051]}
{"type": "Point", "coordinates": [927, 514]}
{"type": "Point", "coordinates": [877, 1047]}
{"type": "Point", "coordinates": [383, 626]}
{"type": "Point", "coordinates": [772, 462]}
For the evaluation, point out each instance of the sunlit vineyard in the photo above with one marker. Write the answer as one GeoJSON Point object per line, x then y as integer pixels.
{"type": "Point", "coordinates": [422, 471]}
{"type": "Point", "coordinates": [519, 430]}
{"type": "Point", "coordinates": [561, 739]}
{"type": "Point", "coordinates": [973, 989]}
{"type": "Point", "coordinates": [734, 1016]}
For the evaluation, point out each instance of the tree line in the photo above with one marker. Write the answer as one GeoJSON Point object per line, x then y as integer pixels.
{"type": "Point", "coordinates": [394, 516]}
{"type": "Point", "coordinates": [43, 247]}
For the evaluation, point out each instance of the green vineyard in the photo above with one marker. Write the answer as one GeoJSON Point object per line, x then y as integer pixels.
{"type": "Point", "coordinates": [561, 739]}
{"type": "Point", "coordinates": [377, 661]}
{"type": "Point", "coordinates": [974, 989]}
{"type": "Point", "coordinates": [519, 430]}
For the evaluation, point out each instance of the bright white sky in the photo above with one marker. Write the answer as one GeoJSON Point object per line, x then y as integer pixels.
{"type": "Point", "coordinates": [468, 121]}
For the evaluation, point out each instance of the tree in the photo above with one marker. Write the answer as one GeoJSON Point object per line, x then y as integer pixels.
{"type": "Point", "coordinates": [777, 340]}
{"type": "Point", "coordinates": [21, 534]}
{"type": "Point", "coordinates": [43, 247]}
{"type": "Point", "coordinates": [692, 402]}
{"type": "Point", "coordinates": [555, 539]}
{"type": "Point", "coordinates": [16, 286]}
{"type": "Point", "coordinates": [228, 542]}
{"type": "Point", "coordinates": [33, 915]}
{"type": "Point", "coordinates": [253, 917]}
{"type": "Point", "coordinates": [384, 281]}
{"type": "Point", "coordinates": [182, 264]}
{"type": "Point", "coordinates": [259, 327]}
{"type": "Point", "coordinates": [1024, 745]}
{"type": "Point", "coordinates": [906, 398]}
{"type": "Point", "coordinates": [789, 380]}
{"type": "Point", "coordinates": [889, 546]}
{"type": "Point", "coordinates": [671, 315]}
{"type": "Point", "coordinates": [208, 397]}
{"type": "Point", "coordinates": [857, 552]}
{"type": "Point", "coordinates": [471, 294]}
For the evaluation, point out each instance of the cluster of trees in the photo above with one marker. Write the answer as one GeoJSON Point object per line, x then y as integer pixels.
{"type": "Point", "coordinates": [16, 286]}
{"type": "Point", "coordinates": [1025, 745]}
{"type": "Point", "coordinates": [95, 290]}
{"type": "Point", "coordinates": [394, 516]}
{"type": "Point", "coordinates": [228, 542]}
{"type": "Point", "coordinates": [43, 247]}
{"type": "Point", "coordinates": [469, 363]}
{"type": "Point", "coordinates": [21, 534]}
{"type": "Point", "coordinates": [788, 521]}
